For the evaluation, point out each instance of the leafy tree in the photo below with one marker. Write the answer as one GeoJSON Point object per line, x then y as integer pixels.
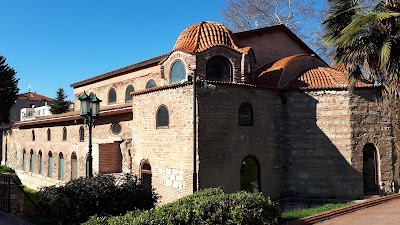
{"type": "Point", "coordinates": [303, 17]}
{"type": "Point", "coordinates": [60, 105]}
{"type": "Point", "coordinates": [8, 90]}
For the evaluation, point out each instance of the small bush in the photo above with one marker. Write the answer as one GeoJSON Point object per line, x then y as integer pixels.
{"type": "Point", "coordinates": [79, 199]}
{"type": "Point", "coordinates": [6, 169]}
{"type": "Point", "coordinates": [211, 206]}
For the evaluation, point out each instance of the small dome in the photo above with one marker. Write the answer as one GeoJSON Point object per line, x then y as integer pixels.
{"type": "Point", "coordinates": [204, 35]}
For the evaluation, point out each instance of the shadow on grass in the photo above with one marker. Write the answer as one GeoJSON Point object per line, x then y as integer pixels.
{"type": "Point", "coordinates": [31, 214]}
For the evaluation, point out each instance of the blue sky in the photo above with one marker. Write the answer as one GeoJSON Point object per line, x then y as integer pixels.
{"type": "Point", "coordinates": [53, 44]}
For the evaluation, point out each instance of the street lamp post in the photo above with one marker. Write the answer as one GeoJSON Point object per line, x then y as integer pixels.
{"type": "Point", "coordinates": [90, 107]}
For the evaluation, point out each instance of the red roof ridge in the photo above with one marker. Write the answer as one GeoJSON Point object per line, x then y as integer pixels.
{"type": "Point", "coordinates": [33, 96]}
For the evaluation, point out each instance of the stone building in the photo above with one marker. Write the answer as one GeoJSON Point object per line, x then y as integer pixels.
{"type": "Point", "coordinates": [266, 114]}
{"type": "Point", "coordinates": [27, 100]}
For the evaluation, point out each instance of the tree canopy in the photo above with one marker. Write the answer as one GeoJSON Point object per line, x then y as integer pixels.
{"type": "Point", "coordinates": [60, 104]}
{"type": "Point", "coordinates": [8, 90]}
{"type": "Point", "coordinates": [303, 17]}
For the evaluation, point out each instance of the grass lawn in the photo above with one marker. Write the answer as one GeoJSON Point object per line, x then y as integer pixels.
{"type": "Point", "coordinates": [30, 212]}
{"type": "Point", "coordinates": [301, 213]}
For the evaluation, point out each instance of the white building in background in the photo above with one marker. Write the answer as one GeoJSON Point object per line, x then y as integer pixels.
{"type": "Point", "coordinates": [35, 112]}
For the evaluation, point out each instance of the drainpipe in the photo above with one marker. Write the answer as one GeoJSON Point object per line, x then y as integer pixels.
{"type": "Point", "coordinates": [194, 133]}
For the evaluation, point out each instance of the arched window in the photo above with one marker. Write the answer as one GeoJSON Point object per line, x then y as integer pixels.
{"type": "Point", "coordinates": [64, 136]}
{"type": "Point", "coordinates": [60, 166]}
{"type": "Point", "coordinates": [128, 96]}
{"type": "Point", "coordinates": [178, 72]}
{"type": "Point", "coordinates": [33, 135]}
{"type": "Point", "coordinates": [250, 175]}
{"type": "Point", "coordinates": [116, 128]}
{"type": "Point", "coordinates": [40, 162]}
{"type": "Point", "coordinates": [112, 96]}
{"type": "Point", "coordinates": [162, 120]}
{"type": "Point", "coordinates": [150, 84]}
{"type": "Point", "coordinates": [145, 174]}
{"type": "Point", "coordinates": [81, 134]}
{"type": "Point", "coordinates": [74, 166]}
{"type": "Point", "coordinates": [32, 161]}
{"type": "Point", "coordinates": [370, 172]}
{"type": "Point", "coordinates": [48, 135]}
{"type": "Point", "coordinates": [24, 156]}
{"type": "Point", "coordinates": [50, 165]}
{"type": "Point", "coordinates": [219, 68]}
{"type": "Point", "coordinates": [245, 114]}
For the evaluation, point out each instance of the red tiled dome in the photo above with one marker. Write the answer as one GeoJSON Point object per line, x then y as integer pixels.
{"type": "Point", "coordinates": [204, 35]}
{"type": "Point", "coordinates": [314, 77]}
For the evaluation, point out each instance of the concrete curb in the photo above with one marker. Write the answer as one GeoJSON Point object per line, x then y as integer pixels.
{"type": "Point", "coordinates": [342, 211]}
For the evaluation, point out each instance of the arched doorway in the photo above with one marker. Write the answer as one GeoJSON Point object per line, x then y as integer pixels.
{"type": "Point", "coordinates": [145, 174]}
{"type": "Point", "coordinates": [250, 175]}
{"type": "Point", "coordinates": [370, 172]}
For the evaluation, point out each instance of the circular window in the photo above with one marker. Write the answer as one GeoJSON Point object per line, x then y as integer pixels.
{"type": "Point", "coordinates": [116, 128]}
{"type": "Point", "coordinates": [177, 72]}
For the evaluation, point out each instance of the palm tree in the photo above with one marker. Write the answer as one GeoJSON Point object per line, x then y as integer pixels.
{"type": "Point", "coordinates": [365, 36]}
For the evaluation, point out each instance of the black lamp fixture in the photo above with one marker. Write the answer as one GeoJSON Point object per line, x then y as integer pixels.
{"type": "Point", "coordinates": [90, 107]}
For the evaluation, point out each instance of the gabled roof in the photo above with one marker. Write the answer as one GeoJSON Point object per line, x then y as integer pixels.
{"type": "Point", "coordinates": [31, 96]}
{"type": "Point", "coordinates": [137, 66]}
{"type": "Point", "coordinates": [274, 28]}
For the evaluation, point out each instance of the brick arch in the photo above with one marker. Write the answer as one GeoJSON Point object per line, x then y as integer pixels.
{"type": "Point", "coordinates": [245, 175]}
{"type": "Point", "coordinates": [146, 173]}
{"type": "Point", "coordinates": [357, 157]}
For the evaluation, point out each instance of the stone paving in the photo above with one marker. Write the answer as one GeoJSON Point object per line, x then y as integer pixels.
{"type": "Point", "coordinates": [10, 219]}
{"type": "Point", "coordinates": [386, 213]}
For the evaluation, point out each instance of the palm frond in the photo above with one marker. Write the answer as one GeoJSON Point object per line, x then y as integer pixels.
{"type": "Point", "coordinates": [385, 54]}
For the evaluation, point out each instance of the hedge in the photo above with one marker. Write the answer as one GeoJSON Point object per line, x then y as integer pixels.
{"type": "Point", "coordinates": [210, 206]}
{"type": "Point", "coordinates": [79, 199]}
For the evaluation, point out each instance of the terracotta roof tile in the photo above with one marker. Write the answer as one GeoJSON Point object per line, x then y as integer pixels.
{"type": "Point", "coordinates": [322, 77]}
{"type": "Point", "coordinates": [340, 67]}
{"type": "Point", "coordinates": [204, 35]}
{"type": "Point", "coordinates": [33, 97]}
{"type": "Point", "coordinates": [74, 115]}
{"type": "Point", "coordinates": [269, 74]}
{"type": "Point", "coordinates": [123, 70]}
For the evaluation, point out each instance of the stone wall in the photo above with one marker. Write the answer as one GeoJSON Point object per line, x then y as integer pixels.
{"type": "Point", "coordinates": [371, 124]}
{"type": "Point", "coordinates": [271, 46]}
{"type": "Point", "coordinates": [223, 144]}
{"type": "Point", "coordinates": [235, 59]}
{"type": "Point", "coordinates": [317, 145]}
{"type": "Point", "coordinates": [20, 139]}
{"type": "Point", "coordinates": [168, 150]}
{"type": "Point", "coordinates": [138, 79]}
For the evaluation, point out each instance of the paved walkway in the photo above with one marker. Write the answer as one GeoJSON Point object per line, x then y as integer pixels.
{"type": "Point", "coordinates": [10, 219]}
{"type": "Point", "coordinates": [386, 213]}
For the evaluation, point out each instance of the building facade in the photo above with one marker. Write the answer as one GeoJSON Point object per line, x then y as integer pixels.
{"type": "Point", "coordinates": [265, 114]}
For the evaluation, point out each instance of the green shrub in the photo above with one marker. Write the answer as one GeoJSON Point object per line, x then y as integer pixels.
{"type": "Point", "coordinates": [6, 169]}
{"type": "Point", "coordinates": [79, 199]}
{"type": "Point", "coordinates": [211, 206]}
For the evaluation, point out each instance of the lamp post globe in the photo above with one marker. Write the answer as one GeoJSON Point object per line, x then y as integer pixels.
{"type": "Point", "coordinates": [95, 105]}
{"type": "Point", "coordinates": [85, 104]}
{"type": "Point", "coordinates": [90, 108]}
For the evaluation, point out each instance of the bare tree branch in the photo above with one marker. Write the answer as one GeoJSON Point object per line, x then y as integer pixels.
{"type": "Point", "coordinates": [303, 17]}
